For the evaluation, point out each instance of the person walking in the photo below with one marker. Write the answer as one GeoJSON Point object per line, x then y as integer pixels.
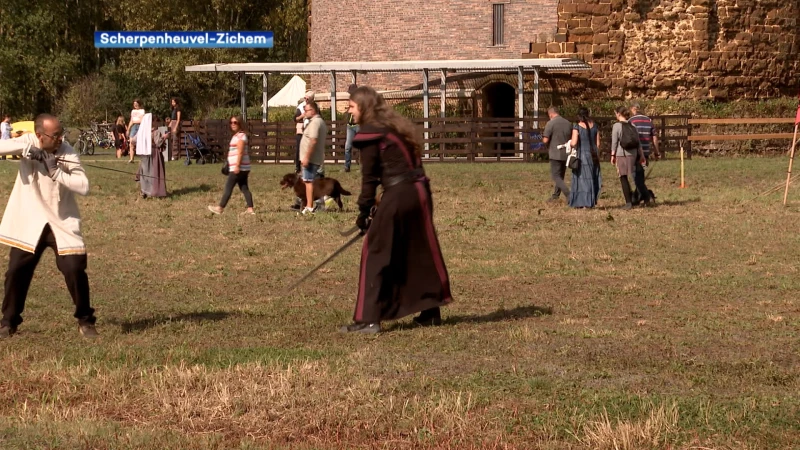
{"type": "Point", "coordinates": [625, 147]}
{"type": "Point", "coordinates": [557, 132]}
{"type": "Point", "coordinates": [238, 167]}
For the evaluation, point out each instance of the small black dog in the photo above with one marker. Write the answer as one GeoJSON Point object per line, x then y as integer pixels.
{"type": "Point", "coordinates": [636, 197]}
{"type": "Point", "coordinates": [322, 187]}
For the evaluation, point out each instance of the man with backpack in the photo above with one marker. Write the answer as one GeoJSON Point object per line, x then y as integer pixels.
{"type": "Point", "coordinates": [648, 137]}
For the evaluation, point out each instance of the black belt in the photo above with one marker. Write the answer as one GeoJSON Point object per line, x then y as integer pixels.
{"type": "Point", "coordinates": [412, 175]}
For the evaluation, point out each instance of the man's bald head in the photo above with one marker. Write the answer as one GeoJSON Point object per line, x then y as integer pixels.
{"type": "Point", "coordinates": [48, 131]}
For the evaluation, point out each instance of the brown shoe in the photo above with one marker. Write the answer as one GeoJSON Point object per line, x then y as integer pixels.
{"type": "Point", "coordinates": [88, 331]}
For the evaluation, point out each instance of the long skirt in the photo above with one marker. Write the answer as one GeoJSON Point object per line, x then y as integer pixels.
{"type": "Point", "coordinates": [402, 268]}
{"type": "Point", "coordinates": [586, 183]}
{"type": "Point", "coordinates": [150, 176]}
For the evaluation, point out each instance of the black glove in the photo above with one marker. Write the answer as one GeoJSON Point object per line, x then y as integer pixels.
{"type": "Point", "coordinates": [36, 154]}
{"type": "Point", "coordinates": [51, 163]}
{"type": "Point", "coordinates": [363, 221]}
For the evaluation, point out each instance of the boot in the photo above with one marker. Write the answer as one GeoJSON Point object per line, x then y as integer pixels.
{"type": "Point", "coordinates": [626, 191]}
{"type": "Point", "coordinates": [429, 317]}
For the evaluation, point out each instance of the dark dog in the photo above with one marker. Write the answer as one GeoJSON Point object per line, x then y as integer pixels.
{"type": "Point", "coordinates": [322, 187]}
{"type": "Point", "coordinates": [636, 197]}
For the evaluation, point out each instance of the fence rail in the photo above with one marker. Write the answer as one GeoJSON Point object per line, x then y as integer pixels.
{"type": "Point", "coordinates": [445, 139]}
{"type": "Point", "coordinates": [773, 124]}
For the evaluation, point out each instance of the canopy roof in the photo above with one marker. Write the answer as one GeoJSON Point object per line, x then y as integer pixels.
{"type": "Point", "coordinates": [466, 65]}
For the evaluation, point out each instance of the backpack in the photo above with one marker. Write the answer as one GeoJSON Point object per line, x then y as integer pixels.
{"type": "Point", "coordinates": [629, 138]}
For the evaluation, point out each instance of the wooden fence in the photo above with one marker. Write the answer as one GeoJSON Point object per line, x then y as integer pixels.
{"type": "Point", "coordinates": [448, 139]}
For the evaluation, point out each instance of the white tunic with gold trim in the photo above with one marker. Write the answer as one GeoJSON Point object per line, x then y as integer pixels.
{"type": "Point", "coordinates": [38, 200]}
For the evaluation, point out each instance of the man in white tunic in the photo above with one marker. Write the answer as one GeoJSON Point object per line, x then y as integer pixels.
{"type": "Point", "coordinates": [41, 213]}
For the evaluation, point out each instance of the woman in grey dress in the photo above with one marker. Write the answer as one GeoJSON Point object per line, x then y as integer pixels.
{"type": "Point", "coordinates": [586, 182]}
{"type": "Point", "coordinates": [623, 159]}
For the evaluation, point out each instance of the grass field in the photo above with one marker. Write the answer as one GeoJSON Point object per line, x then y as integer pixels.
{"type": "Point", "coordinates": [670, 327]}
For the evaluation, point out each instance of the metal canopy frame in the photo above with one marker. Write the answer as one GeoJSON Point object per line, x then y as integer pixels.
{"type": "Point", "coordinates": [517, 66]}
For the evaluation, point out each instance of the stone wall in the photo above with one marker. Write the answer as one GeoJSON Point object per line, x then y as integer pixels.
{"type": "Point", "coordinates": [682, 48]}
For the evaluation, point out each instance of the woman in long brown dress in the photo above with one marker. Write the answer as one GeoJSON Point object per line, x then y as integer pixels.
{"type": "Point", "coordinates": [402, 268]}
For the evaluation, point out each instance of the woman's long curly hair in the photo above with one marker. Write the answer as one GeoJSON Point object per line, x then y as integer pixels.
{"type": "Point", "coordinates": [376, 112]}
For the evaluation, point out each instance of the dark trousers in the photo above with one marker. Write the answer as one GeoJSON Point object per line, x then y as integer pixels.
{"type": "Point", "coordinates": [639, 181]}
{"type": "Point", "coordinates": [557, 171]}
{"type": "Point", "coordinates": [175, 148]}
{"type": "Point", "coordinates": [298, 138]}
{"type": "Point", "coordinates": [21, 266]}
{"type": "Point", "coordinates": [235, 179]}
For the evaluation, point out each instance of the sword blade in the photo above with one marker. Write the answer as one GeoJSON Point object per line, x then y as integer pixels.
{"type": "Point", "coordinates": [350, 231]}
{"type": "Point", "coordinates": [327, 260]}
{"type": "Point", "coordinates": [113, 170]}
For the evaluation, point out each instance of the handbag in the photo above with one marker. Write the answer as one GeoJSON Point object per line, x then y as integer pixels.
{"type": "Point", "coordinates": [226, 169]}
{"type": "Point", "coordinates": [573, 162]}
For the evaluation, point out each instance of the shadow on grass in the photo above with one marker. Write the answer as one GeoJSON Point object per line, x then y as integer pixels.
{"type": "Point", "coordinates": [678, 202]}
{"type": "Point", "coordinates": [196, 317]}
{"type": "Point", "coordinates": [520, 312]}
{"type": "Point", "coordinates": [189, 190]}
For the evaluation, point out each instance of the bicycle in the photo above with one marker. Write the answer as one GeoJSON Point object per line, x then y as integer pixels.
{"type": "Point", "coordinates": [88, 139]}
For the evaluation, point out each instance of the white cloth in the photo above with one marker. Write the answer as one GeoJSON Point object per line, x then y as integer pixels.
{"type": "Point", "coordinates": [38, 200]}
{"type": "Point", "coordinates": [144, 136]}
{"type": "Point", "coordinates": [300, 126]}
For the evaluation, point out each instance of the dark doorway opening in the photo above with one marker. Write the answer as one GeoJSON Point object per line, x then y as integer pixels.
{"type": "Point", "coordinates": [498, 98]}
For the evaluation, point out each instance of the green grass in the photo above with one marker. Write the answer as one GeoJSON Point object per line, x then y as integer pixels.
{"type": "Point", "coordinates": [670, 327]}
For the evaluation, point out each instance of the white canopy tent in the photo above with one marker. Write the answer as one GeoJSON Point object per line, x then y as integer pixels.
{"type": "Point", "coordinates": [290, 94]}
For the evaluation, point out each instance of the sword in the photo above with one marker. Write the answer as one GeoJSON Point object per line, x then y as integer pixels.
{"type": "Point", "coordinates": [110, 169]}
{"type": "Point", "coordinates": [350, 231]}
{"type": "Point", "coordinates": [328, 259]}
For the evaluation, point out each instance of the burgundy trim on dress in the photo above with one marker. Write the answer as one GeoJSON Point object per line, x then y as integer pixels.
{"type": "Point", "coordinates": [423, 200]}
{"type": "Point", "coordinates": [403, 148]}
{"type": "Point", "coordinates": [362, 282]}
{"type": "Point", "coordinates": [437, 260]}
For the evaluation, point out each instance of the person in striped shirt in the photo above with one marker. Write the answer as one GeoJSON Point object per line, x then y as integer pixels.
{"type": "Point", "coordinates": [648, 137]}
{"type": "Point", "coordinates": [238, 167]}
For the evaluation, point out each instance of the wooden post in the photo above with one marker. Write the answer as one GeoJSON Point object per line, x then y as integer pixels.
{"type": "Point", "coordinates": [425, 110]}
{"type": "Point", "coordinates": [791, 160]}
{"type": "Point", "coordinates": [442, 112]}
{"type": "Point", "coordinates": [333, 111]}
{"type": "Point", "coordinates": [264, 87]}
{"type": "Point", "coordinates": [521, 112]}
{"type": "Point", "coordinates": [243, 95]}
{"type": "Point", "coordinates": [683, 184]}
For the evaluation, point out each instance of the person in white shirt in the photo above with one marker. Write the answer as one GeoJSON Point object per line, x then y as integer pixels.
{"type": "Point", "coordinates": [5, 129]}
{"type": "Point", "coordinates": [42, 212]}
{"type": "Point", "coordinates": [137, 114]}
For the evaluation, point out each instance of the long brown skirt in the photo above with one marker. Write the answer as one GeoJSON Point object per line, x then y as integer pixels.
{"type": "Point", "coordinates": [402, 268]}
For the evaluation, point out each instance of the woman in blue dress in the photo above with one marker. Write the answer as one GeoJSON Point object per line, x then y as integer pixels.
{"type": "Point", "coordinates": [586, 182]}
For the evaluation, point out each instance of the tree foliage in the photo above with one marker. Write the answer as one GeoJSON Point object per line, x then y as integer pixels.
{"type": "Point", "coordinates": [48, 62]}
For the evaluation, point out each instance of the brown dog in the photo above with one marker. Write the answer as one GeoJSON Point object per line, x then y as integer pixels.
{"type": "Point", "coordinates": [322, 187]}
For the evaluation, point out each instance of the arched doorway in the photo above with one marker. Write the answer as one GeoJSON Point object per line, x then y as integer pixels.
{"type": "Point", "coordinates": [498, 101]}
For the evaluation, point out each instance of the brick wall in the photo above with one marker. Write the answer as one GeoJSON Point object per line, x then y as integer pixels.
{"type": "Point", "coordinates": [382, 30]}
